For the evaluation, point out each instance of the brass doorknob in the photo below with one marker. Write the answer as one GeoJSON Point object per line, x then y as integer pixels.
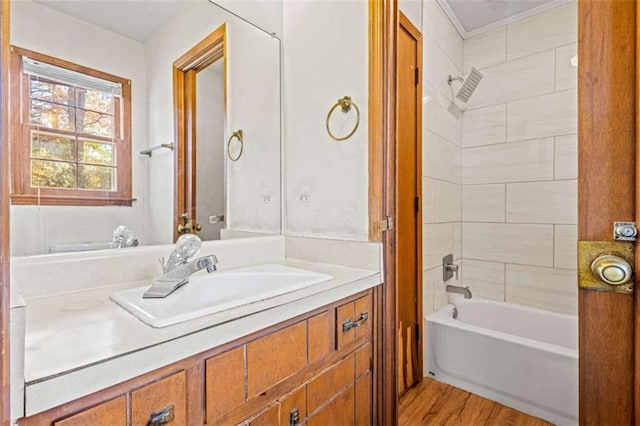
{"type": "Point", "coordinates": [613, 270]}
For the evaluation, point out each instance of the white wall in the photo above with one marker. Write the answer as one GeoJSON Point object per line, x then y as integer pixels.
{"type": "Point", "coordinates": [520, 163]}
{"type": "Point", "coordinates": [325, 58]}
{"type": "Point", "coordinates": [38, 28]}
{"type": "Point", "coordinates": [253, 96]}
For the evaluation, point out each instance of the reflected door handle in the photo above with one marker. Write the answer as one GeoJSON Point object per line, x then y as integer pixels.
{"type": "Point", "coordinates": [189, 225]}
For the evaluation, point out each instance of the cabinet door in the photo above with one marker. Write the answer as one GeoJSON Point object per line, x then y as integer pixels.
{"type": "Point", "coordinates": [363, 400]}
{"type": "Point", "coordinates": [168, 394]}
{"type": "Point", "coordinates": [294, 402]}
{"type": "Point", "coordinates": [275, 357]}
{"type": "Point", "coordinates": [331, 382]}
{"type": "Point", "coordinates": [271, 417]}
{"type": "Point", "coordinates": [340, 411]}
{"type": "Point", "coordinates": [110, 413]}
{"type": "Point", "coordinates": [319, 337]}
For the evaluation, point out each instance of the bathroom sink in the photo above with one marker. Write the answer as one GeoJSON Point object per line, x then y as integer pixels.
{"type": "Point", "coordinates": [207, 294]}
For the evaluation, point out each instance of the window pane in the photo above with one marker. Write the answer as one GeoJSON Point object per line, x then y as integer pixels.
{"type": "Point", "coordinates": [50, 115]}
{"type": "Point", "coordinates": [96, 153]}
{"type": "Point", "coordinates": [95, 100]}
{"type": "Point", "coordinates": [96, 178]}
{"type": "Point", "coordinates": [50, 91]}
{"type": "Point", "coordinates": [52, 147]}
{"type": "Point", "coordinates": [94, 123]}
{"type": "Point", "coordinates": [53, 174]}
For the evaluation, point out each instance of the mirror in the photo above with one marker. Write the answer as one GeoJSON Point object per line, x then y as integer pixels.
{"type": "Point", "coordinates": [140, 41]}
{"type": "Point", "coordinates": [210, 158]}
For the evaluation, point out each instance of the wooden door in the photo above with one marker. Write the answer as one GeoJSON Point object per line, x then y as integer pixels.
{"type": "Point", "coordinates": [607, 158]}
{"type": "Point", "coordinates": [408, 195]}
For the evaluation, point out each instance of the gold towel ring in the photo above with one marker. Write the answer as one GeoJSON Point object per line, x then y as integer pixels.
{"type": "Point", "coordinates": [238, 135]}
{"type": "Point", "coordinates": [345, 106]}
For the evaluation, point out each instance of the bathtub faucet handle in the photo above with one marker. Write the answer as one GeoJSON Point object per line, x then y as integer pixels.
{"type": "Point", "coordinates": [453, 267]}
{"type": "Point", "coordinates": [449, 268]}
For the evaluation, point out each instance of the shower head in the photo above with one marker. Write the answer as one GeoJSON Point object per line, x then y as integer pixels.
{"type": "Point", "coordinates": [469, 84]}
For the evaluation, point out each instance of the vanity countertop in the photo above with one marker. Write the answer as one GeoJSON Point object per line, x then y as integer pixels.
{"type": "Point", "coordinates": [80, 342]}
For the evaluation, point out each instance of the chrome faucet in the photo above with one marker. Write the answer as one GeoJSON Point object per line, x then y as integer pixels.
{"type": "Point", "coordinates": [459, 290]}
{"type": "Point", "coordinates": [178, 269]}
{"type": "Point", "coordinates": [123, 237]}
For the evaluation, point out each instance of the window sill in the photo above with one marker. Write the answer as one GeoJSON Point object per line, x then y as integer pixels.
{"type": "Point", "coordinates": [48, 200]}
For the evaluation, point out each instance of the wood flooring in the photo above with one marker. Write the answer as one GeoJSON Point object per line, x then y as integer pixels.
{"type": "Point", "coordinates": [435, 403]}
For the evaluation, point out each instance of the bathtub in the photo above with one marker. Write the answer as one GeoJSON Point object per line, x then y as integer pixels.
{"type": "Point", "coordinates": [522, 357]}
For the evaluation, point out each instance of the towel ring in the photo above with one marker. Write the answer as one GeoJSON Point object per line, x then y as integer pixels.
{"type": "Point", "coordinates": [345, 104]}
{"type": "Point", "coordinates": [238, 135]}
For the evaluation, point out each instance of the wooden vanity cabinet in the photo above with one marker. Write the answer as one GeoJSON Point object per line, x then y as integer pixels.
{"type": "Point", "coordinates": [312, 370]}
{"type": "Point", "coordinates": [110, 413]}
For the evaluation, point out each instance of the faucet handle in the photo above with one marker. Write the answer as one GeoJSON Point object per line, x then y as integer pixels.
{"type": "Point", "coordinates": [454, 268]}
{"type": "Point", "coordinates": [448, 268]}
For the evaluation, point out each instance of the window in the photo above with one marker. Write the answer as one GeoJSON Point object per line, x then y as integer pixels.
{"type": "Point", "coordinates": [71, 141]}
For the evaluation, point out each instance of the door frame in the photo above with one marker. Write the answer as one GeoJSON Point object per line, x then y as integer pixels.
{"type": "Point", "coordinates": [383, 22]}
{"type": "Point", "coordinates": [210, 49]}
{"type": "Point", "coordinates": [5, 413]}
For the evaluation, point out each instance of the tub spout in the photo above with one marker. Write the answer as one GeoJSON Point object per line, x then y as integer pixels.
{"type": "Point", "coordinates": [459, 290]}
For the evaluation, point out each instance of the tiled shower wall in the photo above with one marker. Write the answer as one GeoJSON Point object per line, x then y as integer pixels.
{"type": "Point", "coordinates": [443, 54]}
{"type": "Point", "coordinates": [519, 163]}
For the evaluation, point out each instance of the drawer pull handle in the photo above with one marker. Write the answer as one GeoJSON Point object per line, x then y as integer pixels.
{"type": "Point", "coordinates": [161, 417]}
{"type": "Point", "coordinates": [348, 324]}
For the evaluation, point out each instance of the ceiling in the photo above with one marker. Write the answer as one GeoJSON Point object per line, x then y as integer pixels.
{"type": "Point", "coordinates": [134, 19]}
{"type": "Point", "coordinates": [472, 17]}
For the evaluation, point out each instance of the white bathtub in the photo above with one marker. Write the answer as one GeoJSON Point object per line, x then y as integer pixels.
{"type": "Point", "coordinates": [522, 357]}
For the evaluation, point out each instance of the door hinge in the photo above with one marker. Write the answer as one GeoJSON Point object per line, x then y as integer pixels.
{"type": "Point", "coordinates": [418, 332]}
{"type": "Point", "coordinates": [417, 204]}
{"type": "Point", "coordinates": [383, 225]}
{"type": "Point", "coordinates": [417, 75]}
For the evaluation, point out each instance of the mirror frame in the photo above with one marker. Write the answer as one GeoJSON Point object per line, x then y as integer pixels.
{"type": "Point", "coordinates": [209, 50]}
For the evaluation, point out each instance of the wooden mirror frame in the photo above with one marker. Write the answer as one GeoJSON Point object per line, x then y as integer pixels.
{"type": "Point", "coordinates": [206, 52]}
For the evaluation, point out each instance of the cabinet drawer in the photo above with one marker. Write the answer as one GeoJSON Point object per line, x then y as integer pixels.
{"type": "Point", "coordinates": [150, 400]}
{"type": "Point", "coordinates": [275, 357]}
{"type": "Point", "coordinates": [110, 413]}
{"type": "Point", "coordinates": [353, 321]}
{"type": "Point", "coordinates": [224, 383]}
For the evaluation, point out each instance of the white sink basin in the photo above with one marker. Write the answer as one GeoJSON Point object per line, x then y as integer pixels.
{"type": "Point", "coordinates": [207, 294]}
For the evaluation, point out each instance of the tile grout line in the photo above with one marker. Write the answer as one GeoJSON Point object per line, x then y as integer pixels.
{"type": "Point", "coordinates": [521, 140]}
{"type": "Point", "coordinates": [520, 181]}
{"type": "Point", "coordinates": [539, 95]}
